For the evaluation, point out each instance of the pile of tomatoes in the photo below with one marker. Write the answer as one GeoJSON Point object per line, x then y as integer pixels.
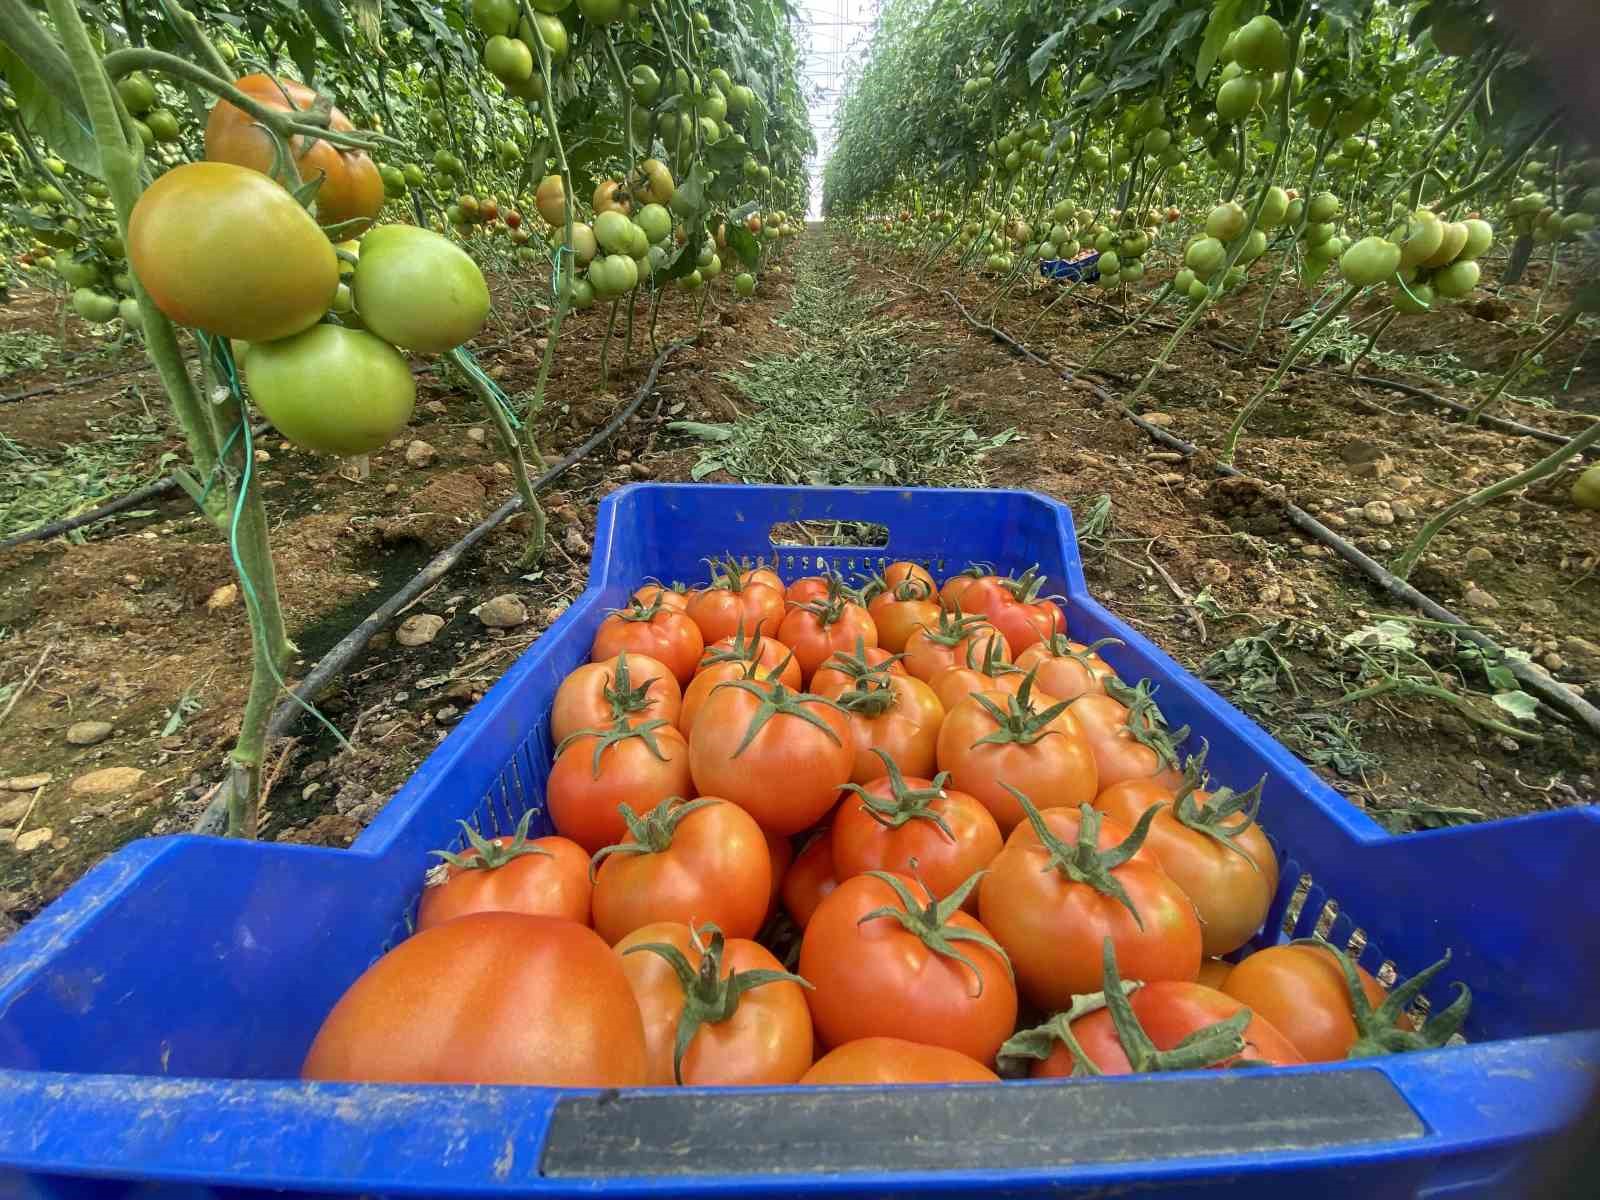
{"type": "Point", "coordinates": [222, 246]}
{"type": "Point", "coordinates": [813, 834]}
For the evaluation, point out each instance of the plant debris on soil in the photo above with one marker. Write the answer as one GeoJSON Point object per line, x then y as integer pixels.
{"type": "Point", "coordinates": [839, 371]}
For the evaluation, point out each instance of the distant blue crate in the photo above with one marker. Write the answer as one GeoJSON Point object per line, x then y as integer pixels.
{"type": "Point", "coordinates": [1072, 270]}
{"type": "Point", "coordinates": [153, 1019]}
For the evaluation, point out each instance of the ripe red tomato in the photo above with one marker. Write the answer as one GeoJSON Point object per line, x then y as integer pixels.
{"type": "Point", "coordinates": [1053, 926]}
{"type": "Point", "coordinates": [736, 603]}
{"type": "Point", "coordinates": [872, 973]}
{"type": "Point", "coordinates": [1168, 1012]}
{"type": "Point", "coordinates": [735, 658]}
{"type": "Point", "coordinates": [226, 250]}
{"type": "Point", "coordinates": [814, 631]}
{"type": "Point", "coordinates": [947, 643]}
{"type": "Point", "coordinates": [676, 596]}
{"type": "Point", "coordinates": [781, 850]}
{"type": "Point", "coordinates": [809, 588]}
{"type": "Point", "coordinates": [1067, 669]}
{"type": "Point", "coordinates": [950, 595]}
{"type": "Point", "coordinates": [631, 687]}
{"type": "Point", "coordinates": [888, 1060]}
{"type": "Point", "coordinates": [893, 714]}
{"type": "Point", "coordinates": [901, 609]}
{"type": "Point", "coordinates": [844, 670]}
{"type": "Point", "coordinates": [656, 629]}
{"type": "Point", "coordinates": [1012, 606]}
{"type": "Point", "coordinates": [1210, 844]}
{"type": "Point", "coordinates": [1213, 971]}
{"type": "Point", "coordinates": [765, 1038]}
{"type": "Point", "coordinates": [596, 772]}
{"type": "Point", "coordinates": [705, 860]}
{"type": "Point", "coordinates": [914, 826]}
{"type": "Point", "coordinates": [352, 188]}
{"type": "Point", "coordinates": [545, 877]}
{"type": "Point", "coordinates": [1129, 740]}
{"type": "Point", "coordinates": [1037, 748]}
{"type": "Point", "coordinates": [488, 998]}
{"type": "Point", "coordinates": [809, 879]}
{"type": "Point", "coordinates": [1301, 990]}
{"type": "Point", "coordinates": [984, 669]}
{"type": "Point", "coordinates": [904, 571]}
{"type": "Point", "coordinates": [779, 755]}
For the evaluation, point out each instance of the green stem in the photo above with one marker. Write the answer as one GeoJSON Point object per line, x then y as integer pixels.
{"type": "Point", "coordinates": [1451, 121]}
{"type": "Point", "coordinates": [1567, 321]}
{"type": "Point", "coordinates": [1545, 466]}
{"type": "Point", "coordinates": [1231, 442]}
{"type": "Point", "coordinates": [605, 346]}
{"type": "Point", "coordinates": [512, 447]}
{"type": "Point", "coordinates": [1388, 319]}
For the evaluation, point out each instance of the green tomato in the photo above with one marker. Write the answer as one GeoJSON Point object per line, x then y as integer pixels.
{"type": "Point", "coordinates": [1205, 257]}
{"type": "Point", "coordinates": [137, 92]}
{"type": "Point", "coordinates": [332, 390]}
{"type": "Point", "coordinates": [1370, 261]}
{"type": "Point", "coordinates": [1586, 489]}
{"type": "Point", "coordinates": [76, 272]}
{"type": "Point", "coordinates": [741, 100]}
{"type": "Point", "coordinates": [656, 222]}
{"type": "Point", "coordinates": [496, 17]}
{"type": "Point", "coordinates": [613, 231]}
{"type": "Point", "coordinates": [1226, 221]}
{"type": "Point", "coordinates": [163, 124]}
{"type": "Point", "coordinates": [745, 284]}
{"type": "Point", "coordinates": [414, 175]}
{"type": "Point", "coordinates": [1418, 299]}
{"type": "Point", "coordinates": [508, 59]}
{"type": "Point", "coordinates": [1275, 208]}
{"type": "Point", "coordinates": [132, 316]}
{"type": "Point", "coordinates": [646, 84]}
{"type": "Point", "coordinates": [93, 306]}
{"type": "Point", "coordinates": [1322, 208]}
{"type": "Point", "coordinates": [1238, 97]}
{"type": "Point", "coordinates": [581, 295]}
{"type": "Point", "coordinates": [550, 28]}
{"type": "Point", "coordinates": [419, 290]}
{"type": "Point", "coordinates": [1480, 236]}
{"type": "Point", "coordinates": [601, 12]}
{"type": "Point", "coordinates": [1457, 280]}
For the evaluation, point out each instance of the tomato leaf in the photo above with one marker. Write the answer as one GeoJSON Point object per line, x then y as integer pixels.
{"type": "Point", "coordinates": [744, 244]}
{"type": "Point", "coordinates": [1224, 20]}
{"type": "Point", "coordinates": [1518, 703]}
{"type": "Point", "coordinates": [60, 128]}
{"type": "Point", "coordinates": [325, 15]}
{"type": "Point", "coordinates": [1039, 60]}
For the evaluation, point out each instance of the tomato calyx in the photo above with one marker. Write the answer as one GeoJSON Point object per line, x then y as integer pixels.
{"type": "Point", "coordinates": [621, 694]}
{"type": "Point", "coordinates": [1025, 588]}
{"type": "Point", "coordinates": [491, 853]}
{"type": "Point", "coordinates": [903, 803]}
{"type": "Point", "coordinates": [931, 924]}
{"type": "Point", "coordinates": [954, 626]}
{"type": "Point", "coordinates": [1222, 805]}
{"type": "Point", "coordinates": [1376, 1034]}
{"type": "Point", "coordinates": [1059, 645]}
{"type": "Point", "coordinates": [911, 587]}
{"type": "Point", "coordinates": [1039, 1042]}
{"type": "Point", "coordinates": [742, 648]}
{"type": "Point", "coordinates": [645, 731]}
{"type": "Point", "coordinates": [1144, 722]}
{"type": "Point", "coordinates": [830, 609]}
{"type": "Point", "coordinates": [708, 997]}
{"type": "Point", "coordinates": [727, 575]}
{"type": "Point", "coordinates": [640, 611]}
{"type": "Point", "coordinates": [991, 661]}
{"type": "Point", "coordinates": [1020, 721]}
{"type": "Point", "coordinates": [777, 699]}
{"type": "Point", "coordinates": [857, 668]}
{"type": "Point", "coordinates": [872, 696]}
{"type": "Point", "coordinates": [653, 832]}
{"type": "Point", "coordinates": [1083, 861]}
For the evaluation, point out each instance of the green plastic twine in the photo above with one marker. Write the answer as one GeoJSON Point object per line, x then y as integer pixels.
{"type": "Point", "coordinates": [555, 269]}
{"type": "Point", "coordinates": [463, 358]}
{"type": "Point", "coordinates": [221, 355]}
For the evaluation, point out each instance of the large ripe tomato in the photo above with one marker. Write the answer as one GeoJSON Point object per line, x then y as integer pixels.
{"type": "Point", "coordinates": [1067, 669]}
{"type": "Point", "coordinates": [737, 658]}
{"type": "Point", "coordinates": [545, 877]}
{"type": "Point", "coordinates": [1013, 606]}
{"type": "Point", "coordinates": [598, 771]}
{"type": "Point", "coordinates": [737, 602]}
{"type": "Point", "coordinates": [1301, 989]}
{"type": "Point", "coordinates": [810, 587]}
{"type": "Point", "coordinates": [905, 571]}
{"type": "Point", "coordinates": [779, 755]}
{"type": "Point", "coordinates": [947, 643]}
{"type": "Point", "coordinates": [883, 956]}
{"type": "Point", "coordinates": [954, 588]}
{"type": "Point", "coordinates": [226, 250]}
{"type": "Point", "coordinates": [352, 188]}
{"type": "Point", "coordinates": [656, 629]}
{"type": "Point", "coordinates": [817, 629]}
{"type": "Point", "coordinates": [488, 998]}
{"type": "Point", "coordinates": [705, 860]}
{"type": "Point", "coordinates": [896, 715]}
{"type": "Point", "coordinates": [878, 1061]}
{"type": "Point", "coordinates": [1050, 898]}
{"type": "Point", "coordinates": [1165, 1015]}
{"type": "Point", "coordinates": [630, 687]}
{"type": "Point", "coordinates": [748, 1015]}
{"type": "Point", "coordinates": [676, 596]}
{"type": "Point", "coordinates": [844, 670]}
{"type": "Point", "coordinates": [419, 290]}
{"type": "Point", "coordinates": [809, 879]}
{"type": "Point", "coordinates": [994, 742]}
{"type": "Point", "coordinates": [1210, 844]}
{"type": "Point", "coordinates": [1129, 736]}
{"type": "Point", "coordinates": [984, 670]}
{"type": "Point", "coordinates": [914, 826]}
{"type": "Point", "coordinates": [332, 390]}
{"type": "Point", "coordinates": [901, 609]}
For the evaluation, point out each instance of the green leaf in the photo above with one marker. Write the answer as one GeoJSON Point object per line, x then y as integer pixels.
{"type": "Point", "coordinates": [1224, 20]}
{"type": "Point", "coordinates": [325, 15]}
{"type": "Point", "coordinates": [65, 132]}
{"type": "Point", "coordinates": [1385, 635]}
{"type": "Point", "coordinates": [1039, 60]}
{"type": "Point", "coordinates": [745, 245]}
{"type": "Point", "coordinates": [1519, 704]}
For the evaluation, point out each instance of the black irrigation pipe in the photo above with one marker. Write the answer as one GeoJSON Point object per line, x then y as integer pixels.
{"type": "Point", "coordinates": [1409, 390]}
{"type": "Point", "coordinates": [334, 662]}
{"type": "Point", "coordinates": [71, 383]}
{"type": "Point", "coordinates": [1542, 686]}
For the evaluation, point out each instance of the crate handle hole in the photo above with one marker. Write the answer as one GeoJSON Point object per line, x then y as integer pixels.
{"type": "Point", "coordinates": [855, 534]}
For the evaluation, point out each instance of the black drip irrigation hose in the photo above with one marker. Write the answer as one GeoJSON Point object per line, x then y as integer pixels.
{"type": "Point", "coordinates": [334, 662]}
{"type": "Point", "coordinates": [1409, 390]}
{"type": "Point", "coordinates": [1542, 686]}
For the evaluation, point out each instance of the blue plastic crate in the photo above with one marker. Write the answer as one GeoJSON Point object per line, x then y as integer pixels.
{"type": "Point", "coordinates": [1072, 270]}
{"type": "Point", "coordinates": [153, 1019]}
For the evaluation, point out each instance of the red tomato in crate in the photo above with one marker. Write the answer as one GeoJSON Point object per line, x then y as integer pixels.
{"type": "Point", "coordinates": [597, 772]}
{"type": "Point", "coordinates": [544, 877]}
{"type": "Point", "coordinates": [889, 1060]}
{"type": "Point", "coordinates": [631, 687]}
{"type": "Point", "coordinates": [809, 879]}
